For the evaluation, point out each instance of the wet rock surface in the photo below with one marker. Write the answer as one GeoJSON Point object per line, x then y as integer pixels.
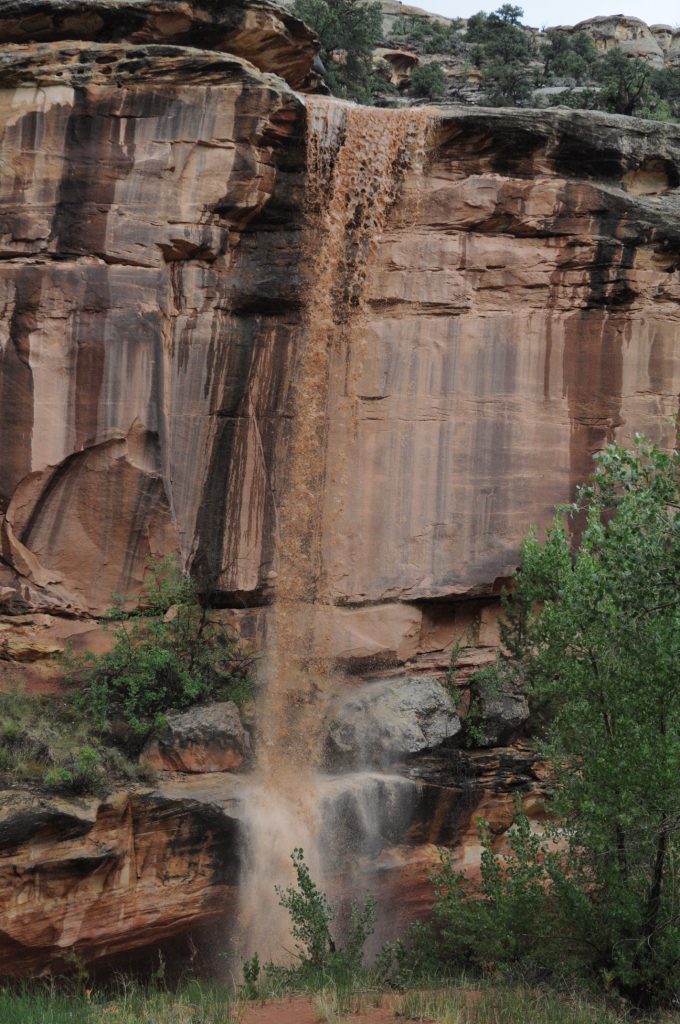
{"type": "Point", "coordinates": [386, 720]}
{"type": "Point", "coordinates": [519, 311]}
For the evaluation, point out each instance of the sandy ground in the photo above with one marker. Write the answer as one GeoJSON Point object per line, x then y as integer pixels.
{"type": "Point", "coordinates": [301, 1010]}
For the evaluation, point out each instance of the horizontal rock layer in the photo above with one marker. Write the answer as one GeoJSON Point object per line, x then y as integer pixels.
{"type": "Point", "coordinates": [261, 32]}
{"type": "Point", "coordinates": [102, 877]}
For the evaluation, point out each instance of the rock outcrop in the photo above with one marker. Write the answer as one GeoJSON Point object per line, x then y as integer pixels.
{"type": "Point", "coordinates": [631, 35]}
{"type": "Point", "coordinates": [207, 738]}
{"type": "Point", "coordinates": [259, 31]}
{"type": "Point", "coordinates": [99, 877]}
{"type": "Point", "coordinates": [386, 720]}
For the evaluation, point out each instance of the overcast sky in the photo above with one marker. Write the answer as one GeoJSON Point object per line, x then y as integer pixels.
{"type": "Point", "coordinates": [554, 12]}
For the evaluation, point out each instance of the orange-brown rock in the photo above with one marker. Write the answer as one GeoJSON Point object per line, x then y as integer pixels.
{"type": "Point", "coordinates": [261, 32]}
{"type": "Point", "coordinates": [102, 877]}
{"type": "Point", "coordinates": [98, 877]}
{"type": "Point", "coordinates": [519, 311]}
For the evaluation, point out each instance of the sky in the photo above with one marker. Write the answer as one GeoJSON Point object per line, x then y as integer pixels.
{"type": "Point", "coordinates": [553, 12]}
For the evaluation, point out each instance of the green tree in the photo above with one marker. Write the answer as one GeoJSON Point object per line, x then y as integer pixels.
{"type": "Point", "coordinates": [349, 30]}
{"type": "Point", "coordinates": [598, 640]}
{"type": "Point", "coordinates": [569, 56]}
{"type": "Point", "coordinates": [503, 50]}
{"type": "Point", "coordinates": [311, 915]}
{"type": "Point", "coordinates": [625, 84]}
{"type": "Point", "coordinates": [429, 81]}
{"type": "Point", "coordinates": [169, 655]}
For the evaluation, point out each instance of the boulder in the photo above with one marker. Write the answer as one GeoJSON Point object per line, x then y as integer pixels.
{"type": "Point", "coordinates": [207, 738]}
{"type": "Point", "coordinates": [389, 719]}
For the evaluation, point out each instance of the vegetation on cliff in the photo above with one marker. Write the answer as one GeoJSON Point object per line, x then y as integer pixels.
{"type": "Point", "coordinates": [167, 655]}
{"type": "Point", "coordinates": [348, 30]}
{"type": "Point", "coordinates": [593, 631]}
{"type": "Point", "coordinates": [512, 60]}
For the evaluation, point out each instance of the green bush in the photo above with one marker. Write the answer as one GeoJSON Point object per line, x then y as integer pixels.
{"type": "Point", "coordinates": [169, 657]}
{"type": "Point", "coordinates": [429, 81]}
{"type": "Point", "coordinates": [349, 30]}
{"type": "Point", "coordinates": [594, 628]}
{"type": "Point", "coordinates": [46, 741]}
{"type": "Point", "coordinates": [311, 915]}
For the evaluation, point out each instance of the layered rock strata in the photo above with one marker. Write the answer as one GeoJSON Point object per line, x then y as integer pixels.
{"type": "Point", "coordinates": [102, 877]}
{"type": "Point", "coordinates": [519, 311]}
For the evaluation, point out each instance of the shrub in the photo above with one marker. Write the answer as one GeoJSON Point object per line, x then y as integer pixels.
{"type": "Point", "coordinates": [429, 81]}
{"type": "Point", "coordinates": [171, 656]}
{"type": "Point", "coordinates": [311, 914]}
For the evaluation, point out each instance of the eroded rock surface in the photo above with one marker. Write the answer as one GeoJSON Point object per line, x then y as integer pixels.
{"type": "Point", "coordinates": [261, 32]}
{"type": "Point", "coordinates": [519, 311]}
{"type": "Point", "coordinates": [98, 877]}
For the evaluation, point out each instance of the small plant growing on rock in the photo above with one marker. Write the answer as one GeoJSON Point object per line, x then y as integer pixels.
{"type": "Point", "coordinates": [169, 655]}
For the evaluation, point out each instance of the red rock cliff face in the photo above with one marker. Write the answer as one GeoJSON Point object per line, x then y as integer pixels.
{"type": "Point", "coordinates": [140, 345]}
{"type": "Point", "coordinates": [521, 312]}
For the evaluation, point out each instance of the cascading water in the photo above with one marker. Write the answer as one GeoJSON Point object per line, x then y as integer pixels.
{"type": "Point", "coordinates": [357, 159]}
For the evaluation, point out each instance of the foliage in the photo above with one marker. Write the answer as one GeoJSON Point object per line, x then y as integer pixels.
{"type": "Point", "coordinates": [507, 919]}
{"type": "Point", "coordinates": [349, 30]}
{"type": "Point", "coordinates": [503, 50]}
{"type": "Point", "coordinates": [428, 35]}
{"type": "Point", "coordinates": [429, 81]}
{"type": "Point", "coordinates": [311, 915]}
{"type": "Point", "coordinates": [625, 84]}
{"type": "Point", "coordinates": [125, 1003]}
{"type": "Point", "coordinates": [569, 56]}
{"type": "Point", "coordinates": [595, 628]}
{"type": "Point", "coordinates": [172, 656]}
{"type": "Point", "coordinates": [46, 741]}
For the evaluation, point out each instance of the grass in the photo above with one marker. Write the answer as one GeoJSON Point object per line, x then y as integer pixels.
{"type": "Point", "coordinates": [48, 742]}
{"type": "Point", "coordinates": [514, 1004]}
{"type": "Point", "coordinates": [202, 1003]}
{"type": "Point", "coordinates": [196, 1003]}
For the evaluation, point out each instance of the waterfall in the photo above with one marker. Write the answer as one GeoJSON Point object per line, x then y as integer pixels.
{"type": "Point", "coordinates": [357, 159]}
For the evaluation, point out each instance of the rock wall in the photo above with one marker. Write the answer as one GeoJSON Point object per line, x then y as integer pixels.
{"type": "Point", "coordinates": [520, 310]}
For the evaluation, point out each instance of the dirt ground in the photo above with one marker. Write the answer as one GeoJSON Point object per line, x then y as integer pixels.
{"type": "Point", "coordinates": [301, 1010]}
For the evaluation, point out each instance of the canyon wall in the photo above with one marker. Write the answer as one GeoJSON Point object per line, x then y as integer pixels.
{"type": "Point", "coordinates": [519, 310]}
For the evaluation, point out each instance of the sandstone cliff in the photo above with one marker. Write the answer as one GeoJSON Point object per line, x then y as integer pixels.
{"type": "Point", "coordinates": [520, 309]}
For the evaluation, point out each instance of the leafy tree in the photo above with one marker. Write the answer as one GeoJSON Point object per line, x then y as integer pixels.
{"type": "Point", "coordinates": [598, 639]}
{"type": "Point", "coordinates": [311, 915]}
{"type": "Point", "coordinates": [625, 83]}
{"type": "Point", "coordinates": [349, 30]}
{"type": "Point", "coordinates": [429, 80]}
{"type": "Point", "coordinates": [169, 656]}
{"type": "Point", "coordinates": [568, 56]}
{"type": "Point", "coordinates": [503, 50]}
{"type": "Point", "coordinates": [507, 84]}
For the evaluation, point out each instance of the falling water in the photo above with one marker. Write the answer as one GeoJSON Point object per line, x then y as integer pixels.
{"type": "Point", "coordinates": [357, 159]}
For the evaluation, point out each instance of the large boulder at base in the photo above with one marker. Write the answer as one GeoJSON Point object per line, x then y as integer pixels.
{"type": "Point", "coordinates": [389, 719]}
{"type": "Point", "coordinates": [209, 738]}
